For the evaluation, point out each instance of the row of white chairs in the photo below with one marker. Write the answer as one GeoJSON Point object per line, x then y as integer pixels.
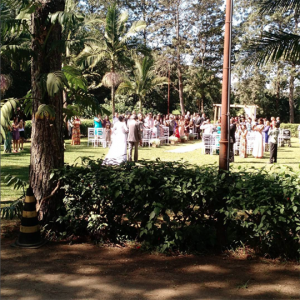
{"type": "Point", "coordinates": [96, 136]}
{"type": "Point", "coordinates": [211, 143]}
{"type": "Point", "coordinates": [161, 133]}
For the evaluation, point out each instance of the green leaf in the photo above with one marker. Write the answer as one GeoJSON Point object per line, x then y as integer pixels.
{"type": "Point", "coordinates": [152, 215]}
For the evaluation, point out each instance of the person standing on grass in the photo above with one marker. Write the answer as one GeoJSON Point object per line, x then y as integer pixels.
{"type": "Point", "coordinates": [22, 134]}
{"type": "Point", "coordinates": [273, 140]}
{"type": "Point", "coordinates": [8, 139]}
{"type": "Point", "coordinates": [197, 125]}
{"type": "Point", "coordinates": [134, 137]}
{"type": "Point", "coordinates": [15, 134]}
{"type": "Point", "coordinates": [76, 132]}
{"type": "Point", "coordinates": [258, 149]}
{"type": "Point", "coordinates": [232, 131]}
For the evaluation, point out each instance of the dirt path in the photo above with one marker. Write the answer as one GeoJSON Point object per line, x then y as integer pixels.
{"type": "Point", "coordinates": [84, 271]}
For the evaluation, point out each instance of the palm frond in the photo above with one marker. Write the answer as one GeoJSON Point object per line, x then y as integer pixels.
{"type": "Point", "coordinates": [75, 78]}
{"type": "Point", "coordinates": [125, 87]}
{"type": "Point", "coordinates": [55, 82]}
{"type": "Point", "coordinates": [270, 6]}
{"type": "Point", "coordinates": [272, 47]}
{"type": "Point", "coordinates": [135, 28]}
{"type": "Point", "coordinates": [8, 106]}
{"type": "Point", "coordinates": [158, 81]}
{"type": "Point", "coordinates": [27, 10]}
{"type": "Point", "coordinates": [65, 17]}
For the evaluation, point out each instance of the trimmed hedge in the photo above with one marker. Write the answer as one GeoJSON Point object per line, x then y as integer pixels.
{"type": "Point", "coordinates": [83, 127]}
{"type": "Point", "coordinates": [173, 205]}
{"type": "Point", "coordinates": [292, 127]}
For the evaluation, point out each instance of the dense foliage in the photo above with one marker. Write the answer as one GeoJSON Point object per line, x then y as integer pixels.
{"type": "Point", "coordinates": [172, 205]}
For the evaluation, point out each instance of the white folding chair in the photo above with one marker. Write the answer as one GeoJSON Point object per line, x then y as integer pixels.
{"type": "Point", "coordinates": [154, 133]}
{"type": "Point", "coordinates": [99, 137]}
{"type": "Point", "coordinates": [250, 143]}
{"type": "Point", "coordinates": [216, 143]}
{"type": "Point", "coordinates": [236, 145]}
{"type": "Point", "coordinates": [146, 136]}
{"type": "Point", "coordinates": [207, 143]}
{"type": "Point", "coordinates": [166, 133]}
{"type": "Point", "coordinates": [91, 135]}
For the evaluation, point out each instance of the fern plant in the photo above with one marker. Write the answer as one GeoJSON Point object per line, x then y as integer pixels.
{"type": "Point", "coordinates": [14, 208]}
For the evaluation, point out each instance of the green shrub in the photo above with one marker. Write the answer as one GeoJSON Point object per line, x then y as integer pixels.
{"type": "Point", "coordinates": [172, 205]}
{"type": "Point", "coordinates": [83, 127]}
{"type": "Point", "coordinates": [85, 124]}
{"type": "Point", "coordinates": [292, 127]}
{"type": "Point", "coordinates": [28, 127]}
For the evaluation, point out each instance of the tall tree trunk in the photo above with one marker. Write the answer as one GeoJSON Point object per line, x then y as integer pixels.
{"type": "Point", "coordinates": [291, 94]}
{"type": "Point", "coordinates": [140, 100]}
{"type": "Point", "coordinates": [47, 151]}
{"type": "Point", "coordinates": [180, 81]}
{"type": "Point", "coordinates": [113, 100]}
{"type": "Point", "coordinates": [202, 106]}
{"type": "Point", "coordinates": [278, 79]}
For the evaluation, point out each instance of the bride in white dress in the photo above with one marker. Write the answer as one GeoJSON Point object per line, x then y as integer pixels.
{"type": "Point", "coordinates": [118, 150]}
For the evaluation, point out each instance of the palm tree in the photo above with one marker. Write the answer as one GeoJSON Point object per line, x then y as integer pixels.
{"type": "Point", "coordinates": [112, 48]}
{"type": "Point", "coordinates": [143, 81]}
{"type": "Point", "coordinates": [202, 84]}
{"type": "Point", "coordinates": [277, 45]}
{"type": "Point", "coordinates": [273, 46]}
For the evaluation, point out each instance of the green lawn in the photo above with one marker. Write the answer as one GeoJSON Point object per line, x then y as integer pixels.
{"type": "Point", "coordinates": [17, 164]}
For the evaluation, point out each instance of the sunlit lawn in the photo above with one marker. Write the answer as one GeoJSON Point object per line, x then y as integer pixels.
{"type": "Point", "coordinates": [17, 164]}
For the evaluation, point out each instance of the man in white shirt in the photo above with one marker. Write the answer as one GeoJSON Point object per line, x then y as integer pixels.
{"type": "Point", "coordinates": [207, 127]}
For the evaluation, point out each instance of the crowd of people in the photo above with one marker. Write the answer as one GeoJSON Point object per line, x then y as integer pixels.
{"type": "Point", "coordinates": [265, 136]}
{"type": "Point", "coordinates": [15, 136]}
{"type": "Point", "coordinates": [266, 131]}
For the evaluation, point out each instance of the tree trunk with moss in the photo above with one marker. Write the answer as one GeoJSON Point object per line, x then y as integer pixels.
{"type": "Point", "coordinates": [47, 151]}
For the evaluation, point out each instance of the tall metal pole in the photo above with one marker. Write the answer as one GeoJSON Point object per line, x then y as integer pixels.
{"type": "Point", "coordinates": [169, 91]}
{"type": "Point", "coordinates": [224, 142]}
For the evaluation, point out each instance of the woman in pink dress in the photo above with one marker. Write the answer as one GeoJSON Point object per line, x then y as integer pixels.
{"type": "Point", "coordinates": [258, 147]}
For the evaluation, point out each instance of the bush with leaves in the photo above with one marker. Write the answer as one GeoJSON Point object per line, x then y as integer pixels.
{"type": "Point", "coordinates": [173, 205]}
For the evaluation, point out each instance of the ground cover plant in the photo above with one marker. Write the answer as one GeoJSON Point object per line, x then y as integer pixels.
{"type": "Point", "coordinates": [176, 206]}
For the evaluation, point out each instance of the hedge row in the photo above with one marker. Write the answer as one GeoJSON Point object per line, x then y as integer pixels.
{"type": "Point", "coordinates": [83, 127]}
{"type": "Point", "coordinates": [173, 205]}
{"type": "Point", "coordinates": [292, 127]}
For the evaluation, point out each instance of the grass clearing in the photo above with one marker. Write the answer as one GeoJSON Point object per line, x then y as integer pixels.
{"type": "Point", "coordinates": [17, 164]}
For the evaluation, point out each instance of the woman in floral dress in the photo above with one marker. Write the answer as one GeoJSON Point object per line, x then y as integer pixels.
{"type": "Point", "coordinates": [243, 141]}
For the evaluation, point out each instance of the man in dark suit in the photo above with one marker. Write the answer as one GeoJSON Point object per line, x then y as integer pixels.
{"type": "Point", "coordinates": [202, 120]}
{"type": "Point", "coordinates": [197, 125]}
{"type": "Point", "coordinates": [134, 137]}
{"type": "Point", "coordinates": [232, 139]}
